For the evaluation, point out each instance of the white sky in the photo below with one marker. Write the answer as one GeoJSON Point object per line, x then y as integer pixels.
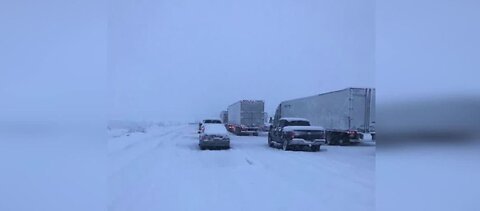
{"type": "Point", "coordinates": [185, 60]}
{"type": "Point", "coordinates": [52, 60]}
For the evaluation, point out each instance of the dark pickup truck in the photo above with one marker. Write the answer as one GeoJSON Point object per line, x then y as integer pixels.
{"type": "Point", "coordinates": [295, 133]}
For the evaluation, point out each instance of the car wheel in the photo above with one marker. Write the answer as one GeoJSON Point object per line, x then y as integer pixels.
{"type": "Point", "coordinates": [328, 140]}
{"type": "Point", "coordinates": [315, 148]}
{"type": "Point", "coordinates": [285, 145]}
{"type": "Point", "coordinates": [202, 148]}
{"type": "Point", "coordinates": [255, 134]}
{"type": "Point", "coordinates": [270, 143]}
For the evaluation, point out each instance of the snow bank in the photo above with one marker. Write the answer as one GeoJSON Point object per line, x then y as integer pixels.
{"type": "Point", "coordinates": [165, 170]}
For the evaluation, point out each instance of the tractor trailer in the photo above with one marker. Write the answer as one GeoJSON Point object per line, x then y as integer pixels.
{"type": "Point", "coordinates": [246, 117]}
{"type": "Point", "coordinates": [348, 115]}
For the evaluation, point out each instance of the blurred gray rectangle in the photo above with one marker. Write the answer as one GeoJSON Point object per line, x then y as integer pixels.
{"type": "Point", "coordinates": [452, 118]}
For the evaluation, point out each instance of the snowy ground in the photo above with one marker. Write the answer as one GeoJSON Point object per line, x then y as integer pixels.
{"type": "Point", "coordinates": [163, 169]}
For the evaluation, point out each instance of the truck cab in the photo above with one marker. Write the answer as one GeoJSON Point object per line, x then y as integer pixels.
{"type": "Point", "coordinates": [295, 133]}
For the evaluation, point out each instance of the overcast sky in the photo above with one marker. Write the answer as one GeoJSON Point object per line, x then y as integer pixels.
{"type": "Point", "coordinates": [53, 60]}
{"type": "Point", "coordinates": [187, 59]}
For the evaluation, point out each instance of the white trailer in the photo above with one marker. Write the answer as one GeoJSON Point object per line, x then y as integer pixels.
{"type": "Point", "coordinates": [246, 117]}
{"type": "Point", "coordinates": [348, 114]}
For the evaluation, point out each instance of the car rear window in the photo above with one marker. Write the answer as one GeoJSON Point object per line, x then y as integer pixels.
{"type": "Point", "coordinates": [298, 123]}
{"type": "Point", "coordinates": [213, 121]}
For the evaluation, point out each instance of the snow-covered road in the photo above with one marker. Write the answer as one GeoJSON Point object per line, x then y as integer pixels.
{"type": "Point", "coordinates": [164, 169]}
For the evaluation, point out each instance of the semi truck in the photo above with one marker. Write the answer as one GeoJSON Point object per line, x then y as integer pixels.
{"type": "Point", "coordinates": [246, 117]}
{"type": "Point", "coordinates": [224, 117]}
{"type": "Point", "coordinates": [348, 115]}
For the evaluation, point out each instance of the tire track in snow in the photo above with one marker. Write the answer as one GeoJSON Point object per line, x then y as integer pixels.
{"type": "Point", "coordinates": [141, 141]}
{"type": "Point", "coordinates": [178, 171]}
{"type": "Point", "coordinates": [138, 155]}
{"type": "Point", "coordinates": [143, 171]}
{"type": "Point", "coordinates": [166, 163]}
{"type": "Point", "coordinates": [302, 163]}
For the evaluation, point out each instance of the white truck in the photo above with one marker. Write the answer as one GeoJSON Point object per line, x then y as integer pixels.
{"type": "Point", "coordinates": [348, 115]}
{"type": "Point", "coordinates": [246, 117]}
{"type": "Point", "coordinates": [224, 117]}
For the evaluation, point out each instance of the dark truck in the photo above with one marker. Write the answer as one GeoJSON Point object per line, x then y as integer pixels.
{"type": "Point", "coordinates": [295, 133]}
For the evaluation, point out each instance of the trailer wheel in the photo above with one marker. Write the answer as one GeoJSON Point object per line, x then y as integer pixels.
{"type": "Point", "coordinates": [344, 140]}
{"type": "Point", "coordinates": [237, 131]}
{"type": "Point", "coordinates": [285, 145]}
{"type": "Point", "coordinates": [330, 139]}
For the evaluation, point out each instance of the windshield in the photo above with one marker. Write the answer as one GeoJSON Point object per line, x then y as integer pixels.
{"type": "Point", "coordinates": [298, 123]}
{"type": "Point", "coordinates": [212, 121]}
